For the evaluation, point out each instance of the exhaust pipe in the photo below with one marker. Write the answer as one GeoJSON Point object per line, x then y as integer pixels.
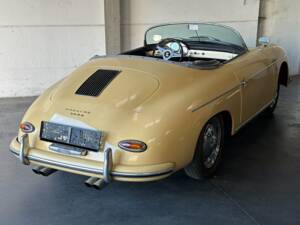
{"type": "Point", "coordinates": [37, 169]}
{"type": "Point", "coordinates": [89, 182]}
{"type": "Point", "coordinates": [44, 171]}
{"type": "Point", "coordinates": [47, 171]}
{"type": "Point", "coordinates": [99, 184]}
{"type": "Point", "coordinates": [96, 183]}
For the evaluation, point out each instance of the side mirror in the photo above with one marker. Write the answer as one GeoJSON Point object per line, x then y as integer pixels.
{"type": "Point", "coordinates": [264, 41]}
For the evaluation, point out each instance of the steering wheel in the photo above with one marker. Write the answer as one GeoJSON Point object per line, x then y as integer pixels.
{"type": "Point", "coordinates": [171, 48]}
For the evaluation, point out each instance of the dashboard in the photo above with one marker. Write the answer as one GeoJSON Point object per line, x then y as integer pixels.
{"type": "Point", "coordinates": [180, 49]}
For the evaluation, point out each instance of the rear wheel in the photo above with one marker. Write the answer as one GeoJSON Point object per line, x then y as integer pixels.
{"type": "Point", "coordinates": [208, 150]}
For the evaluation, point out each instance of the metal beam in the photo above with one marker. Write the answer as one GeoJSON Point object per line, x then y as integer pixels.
{"type": "Point", "coordinates": [261, 19]}
{"type": "Point", "coordinates": [112, 26]}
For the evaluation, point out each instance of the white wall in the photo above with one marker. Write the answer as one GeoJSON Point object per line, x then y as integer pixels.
{"type": "Point", "coordinates": [138, 15]}
{"type": "Point", "coordinates": [42, 41]}
{"type": "Point", "coordinates": [282, 25]}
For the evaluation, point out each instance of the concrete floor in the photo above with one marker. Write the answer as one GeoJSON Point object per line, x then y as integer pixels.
{"type": "Point", "coordinates": [258, 182]}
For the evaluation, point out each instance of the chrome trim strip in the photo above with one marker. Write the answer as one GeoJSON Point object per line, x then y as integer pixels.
{"type": "Point", "coordinates": [68, 150]}
{"type": "Point", "coordinates": [214, 99]}
{"type": "Point", "coordinates": [141, 175]}
{"type": "Point", "coordinates": [253, 116]}
{"type": "Point", "coordinates": [260, 71]}
{"type": "Point", "coordinates": [264, 69]}
{"type": "Point", "coordinates": [96, 171]}
{"type": "Point", "coordinates": [150, 58]}
{"type": "Point", "coordinates": [241, 84]}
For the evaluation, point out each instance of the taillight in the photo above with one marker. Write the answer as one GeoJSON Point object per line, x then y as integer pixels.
{"type": "Point", "coordinates": [27, 127]}
{"type": "Point", "coordinates": [132, 145]}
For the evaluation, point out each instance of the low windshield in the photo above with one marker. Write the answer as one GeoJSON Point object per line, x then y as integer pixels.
{"type": "Point", "coordinates": [196, 32]}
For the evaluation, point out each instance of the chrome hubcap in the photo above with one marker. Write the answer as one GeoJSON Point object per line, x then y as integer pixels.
{"type": "Point", "coordinates": [211, 143]}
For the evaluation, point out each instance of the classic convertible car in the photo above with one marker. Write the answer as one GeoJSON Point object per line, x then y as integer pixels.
{"type": "Point", "coordinates": [149, 112]}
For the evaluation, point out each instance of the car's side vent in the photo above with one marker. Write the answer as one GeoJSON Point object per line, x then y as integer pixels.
{"type": "Point", "coordinates": [96, 83]}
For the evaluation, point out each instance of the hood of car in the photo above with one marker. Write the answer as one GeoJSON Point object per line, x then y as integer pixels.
{"type": "Point", "coordinates": [104, 88]}
{"type": "Point", "coordinates": [123, 84]}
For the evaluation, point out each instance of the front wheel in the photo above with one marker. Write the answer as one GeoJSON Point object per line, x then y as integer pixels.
{"type": "Point", "coordinates": [208, 151]}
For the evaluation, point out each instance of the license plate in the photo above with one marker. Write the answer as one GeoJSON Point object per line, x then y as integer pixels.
{"type": "Point", "coordinates": [75, 136]}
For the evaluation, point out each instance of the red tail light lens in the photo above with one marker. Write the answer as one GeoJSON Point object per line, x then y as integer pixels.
{"type": "Point", "coordinates": [27, 127]}
{"type": "Point", "coordinates": [132, 145]}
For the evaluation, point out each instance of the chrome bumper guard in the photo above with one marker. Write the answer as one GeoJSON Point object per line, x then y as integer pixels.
{"type": "Point", "coordinates": [107, 165]}
{"type": "Point", "coordinates": [24, 149]}
{"type": "Point", "coordinates": [106, 171]}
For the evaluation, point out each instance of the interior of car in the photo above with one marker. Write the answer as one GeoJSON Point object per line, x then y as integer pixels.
{"type": "Point", "coordinates": [191, 44]}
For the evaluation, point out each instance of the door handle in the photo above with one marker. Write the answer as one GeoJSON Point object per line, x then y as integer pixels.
{"type": "Point", "coordinates": [244, 83]}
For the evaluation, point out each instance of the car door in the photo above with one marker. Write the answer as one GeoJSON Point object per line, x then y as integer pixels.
{"type": "Point", "coordinates": [255, 72]}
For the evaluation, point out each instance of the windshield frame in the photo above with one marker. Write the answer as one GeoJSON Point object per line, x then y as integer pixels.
{"type": "Point", "coordinates": [215, 24]}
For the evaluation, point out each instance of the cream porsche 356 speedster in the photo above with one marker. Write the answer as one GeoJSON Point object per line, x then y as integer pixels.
{"type": "Point", "coordinates": [149, 112]}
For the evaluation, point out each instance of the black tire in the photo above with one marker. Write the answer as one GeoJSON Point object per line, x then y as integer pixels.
{"type": "Point", "coordinates": [201, 167]}
{"type": "Point", "coordinates": [271, 108]}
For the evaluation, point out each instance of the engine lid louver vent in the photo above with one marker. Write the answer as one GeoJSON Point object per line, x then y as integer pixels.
{"type": "Point", "coordinates": [96, 83]}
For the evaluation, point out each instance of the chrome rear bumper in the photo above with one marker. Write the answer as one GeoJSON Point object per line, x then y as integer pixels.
{"type": "Point", "coordinates": [106, 172]}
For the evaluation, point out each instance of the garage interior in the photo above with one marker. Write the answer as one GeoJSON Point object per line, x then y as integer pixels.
{"type": "Point", "coordinates": [43, 41]}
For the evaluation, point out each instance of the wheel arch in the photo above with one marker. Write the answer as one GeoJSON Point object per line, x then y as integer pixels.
{"type": "Point", "coordinates": [283, 78]}
{"type": "Point", "coordinates": [227, 120]}
{"type": "Point", "coordinates": [191, 167]}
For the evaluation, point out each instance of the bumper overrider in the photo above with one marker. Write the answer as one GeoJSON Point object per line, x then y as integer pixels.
{"type": "Point", "coordinates": [21, 149]}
